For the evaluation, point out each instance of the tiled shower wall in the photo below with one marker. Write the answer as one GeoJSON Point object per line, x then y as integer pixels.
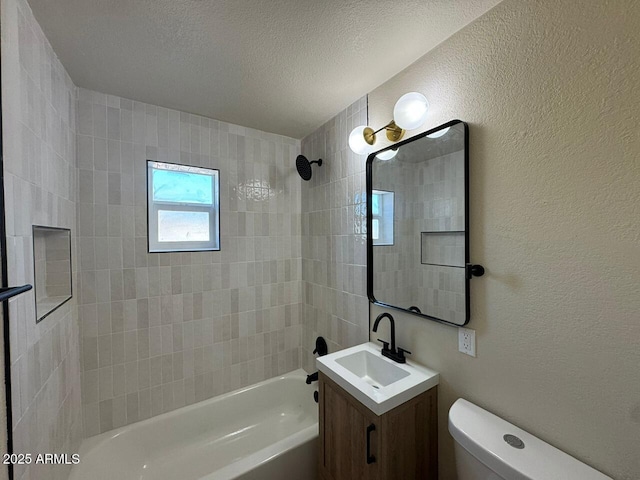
{"type": "Point", "coordinates": [164, 330]}
{"type": "Point", "coordinates": [38, 102]}
{"type": "Point", "coordinates": [334, 238]}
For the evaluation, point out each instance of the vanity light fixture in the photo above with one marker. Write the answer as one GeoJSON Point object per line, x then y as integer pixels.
{"type": "Point", "coordinates": [409, 113]}
{"type": "Point", "coordinates": [362, 139]}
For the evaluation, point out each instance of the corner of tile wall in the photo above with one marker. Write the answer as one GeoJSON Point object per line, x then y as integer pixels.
{"type": "Point", "coordinates": [334, 238]}
{"type": "Point", "coordinates": [40, 188]}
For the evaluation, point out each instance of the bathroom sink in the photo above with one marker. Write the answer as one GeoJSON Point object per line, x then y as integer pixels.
{"type": "Point", "coordinates": [372, 368]}
{"type": "Point", "coordinates": [377, 382]}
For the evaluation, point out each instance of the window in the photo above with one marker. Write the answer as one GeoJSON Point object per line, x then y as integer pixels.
{"type": "Point", "coordinates": [183, 208]}
{"type": "Point", "coordinates": [382, 217]}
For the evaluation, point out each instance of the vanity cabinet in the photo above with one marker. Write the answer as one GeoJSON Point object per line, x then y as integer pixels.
{"type": "Point", "coordinates": [355, 443]}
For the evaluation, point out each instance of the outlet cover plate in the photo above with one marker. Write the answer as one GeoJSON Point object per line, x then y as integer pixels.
{"type": "Point", "coordinates": [467, 341]}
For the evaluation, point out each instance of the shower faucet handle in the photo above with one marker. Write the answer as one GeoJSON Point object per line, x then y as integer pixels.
{"type": "Point", "coordinates": [321, 347]}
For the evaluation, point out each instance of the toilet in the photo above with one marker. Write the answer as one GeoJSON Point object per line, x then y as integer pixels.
{"type": "Point", "coordinates": [490, 448]}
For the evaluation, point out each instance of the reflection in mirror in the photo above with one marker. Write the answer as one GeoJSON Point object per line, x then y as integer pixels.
{"type": "Point", "coordinates": [382, 217]}
{"type": "Point", "coordinates": [417, 237]}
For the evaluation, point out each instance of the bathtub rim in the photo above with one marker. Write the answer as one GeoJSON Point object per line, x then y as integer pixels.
{"type": "Point", "coordinates": [264, 455]}
{"type": "Point", "coordinates": [90, 443]}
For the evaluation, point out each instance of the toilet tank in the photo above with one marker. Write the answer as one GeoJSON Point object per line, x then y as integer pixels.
{"type": "Point", "coordinates": [490, 448]}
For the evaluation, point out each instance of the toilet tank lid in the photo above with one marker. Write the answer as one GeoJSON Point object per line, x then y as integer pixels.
{"type": "Point", "coordinates": [482, 434]}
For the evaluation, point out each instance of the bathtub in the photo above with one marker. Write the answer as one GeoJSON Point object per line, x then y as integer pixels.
{"type": "Point", "coordinates": [261, 432]}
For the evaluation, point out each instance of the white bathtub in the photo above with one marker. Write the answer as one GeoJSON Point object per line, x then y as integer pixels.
{"type": "Point", "coordinates": [265, 431]}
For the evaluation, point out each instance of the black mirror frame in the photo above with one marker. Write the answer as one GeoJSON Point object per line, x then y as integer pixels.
{"type": "Point", "coordinates": [468, 268]}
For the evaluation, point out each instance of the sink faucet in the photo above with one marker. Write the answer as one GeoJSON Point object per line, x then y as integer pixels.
{"type": "Point", "coordinates": [392, 353]}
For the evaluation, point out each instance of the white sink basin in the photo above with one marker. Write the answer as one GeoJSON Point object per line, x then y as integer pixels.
{"type": "Point", "coordinates": [372, 368]}
{"type": "Point", "coordinates": [376, 381]}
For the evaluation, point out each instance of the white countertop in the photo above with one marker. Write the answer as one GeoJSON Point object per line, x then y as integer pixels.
{"type": "Point", "coordinates": [379, 399]}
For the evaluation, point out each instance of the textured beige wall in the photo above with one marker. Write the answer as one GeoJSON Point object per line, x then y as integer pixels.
{"type": "Point", "coordinates": [551, 90]}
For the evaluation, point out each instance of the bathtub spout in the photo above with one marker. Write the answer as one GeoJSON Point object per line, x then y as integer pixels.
{"type": "Point", "coordinates": [312, 378]}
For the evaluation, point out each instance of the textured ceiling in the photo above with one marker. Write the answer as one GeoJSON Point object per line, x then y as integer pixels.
{"type": "Point", "coordinates": [282, 66]}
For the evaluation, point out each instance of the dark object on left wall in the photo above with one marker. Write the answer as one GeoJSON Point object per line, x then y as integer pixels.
{"type": "Point", "coordinates": [7, 292]}
{"type": "Point", "coordinates": [321, 349]}
{"type": "Point", "coordinates": [304, 166]}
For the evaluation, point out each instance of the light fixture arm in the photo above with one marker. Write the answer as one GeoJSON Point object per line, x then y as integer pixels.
{"type": "Point", "coordinates": [394, 133]}
{"type": "Point", "coordinates": [408, 114]}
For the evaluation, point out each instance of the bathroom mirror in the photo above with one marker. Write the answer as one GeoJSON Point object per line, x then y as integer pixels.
{"type": "Point", "coordinates": [417, 225]}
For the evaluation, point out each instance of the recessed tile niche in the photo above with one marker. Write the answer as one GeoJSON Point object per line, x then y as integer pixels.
{"type": "Point", "coordinates": [52, 265]}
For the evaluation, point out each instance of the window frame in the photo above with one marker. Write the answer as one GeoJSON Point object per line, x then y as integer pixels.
{"type": "Point", "coordinates": [383, 217]}
{"type": "Point", "coordinates": [154, 206]}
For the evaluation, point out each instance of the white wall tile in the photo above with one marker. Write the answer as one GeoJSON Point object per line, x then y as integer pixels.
{"type": "Point", "coordinates": [162, 322]}
{"type": "Point", "coordinates": [333, 247]}
{"type": "Point", "coordinates": [41, 188]}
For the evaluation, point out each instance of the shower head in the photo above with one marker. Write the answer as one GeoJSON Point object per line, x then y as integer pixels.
{"type": "Point", "coordinates": [304, 166]}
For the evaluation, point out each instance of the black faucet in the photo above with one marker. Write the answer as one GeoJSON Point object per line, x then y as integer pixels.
{"type": "Point", "coordinates": [392, 353]}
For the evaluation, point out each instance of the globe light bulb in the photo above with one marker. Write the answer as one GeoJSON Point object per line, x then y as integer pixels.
{"type": "Point", "coordinates": [410, 110]}
{"type": "Point", "coordinates": [357, 141]}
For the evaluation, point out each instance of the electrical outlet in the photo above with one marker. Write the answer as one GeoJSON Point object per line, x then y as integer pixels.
{"type": "Point", "coordinates": [467, 341]}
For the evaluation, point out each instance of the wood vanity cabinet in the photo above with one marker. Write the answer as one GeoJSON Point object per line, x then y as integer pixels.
{"type": "Point", "coordinates": [403, 443]}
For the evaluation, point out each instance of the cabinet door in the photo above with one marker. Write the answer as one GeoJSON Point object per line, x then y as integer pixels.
{"type": "Point", "coordinates": [410, 448]}
{"type": "Point", "coordinates": [345, 428]}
